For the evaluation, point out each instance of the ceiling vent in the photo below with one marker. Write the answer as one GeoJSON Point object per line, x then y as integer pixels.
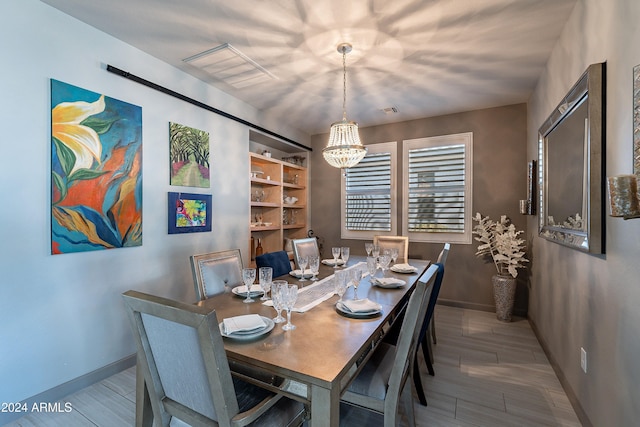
{"type": "Point", "coordinates": [228, 64]}
{"type": "Point", "coordinates": [390, 110]}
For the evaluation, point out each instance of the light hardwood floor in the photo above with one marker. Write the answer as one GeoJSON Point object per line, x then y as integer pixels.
{"type": "Point", "coordinates": [487, 373]}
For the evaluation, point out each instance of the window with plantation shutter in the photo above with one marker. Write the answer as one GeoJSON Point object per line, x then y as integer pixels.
{"type": "Point", "coordinates": [368, 194]}
{"type": "Point", "coordinates": [437, 188]}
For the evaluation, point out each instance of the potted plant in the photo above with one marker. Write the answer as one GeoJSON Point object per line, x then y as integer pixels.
{"type": "Point", "coordinates": [499, 241]}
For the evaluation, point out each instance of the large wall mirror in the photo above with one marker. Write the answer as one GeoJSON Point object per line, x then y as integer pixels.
{"type": "Point", "coordinates": [571, 163]}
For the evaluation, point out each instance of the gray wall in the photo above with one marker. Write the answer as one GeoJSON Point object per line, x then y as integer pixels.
{"type": "Point", "coordinates": [499, 181]}
{"type": "Point", "coordinates": [61, 317]}
{"type": "Point", "coordinates": [580, 300]}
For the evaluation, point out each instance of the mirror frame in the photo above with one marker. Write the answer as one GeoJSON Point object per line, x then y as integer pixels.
{"type": "Point", "coordinates": [590, 238]}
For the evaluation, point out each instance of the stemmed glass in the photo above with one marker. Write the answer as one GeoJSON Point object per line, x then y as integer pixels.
{"type": "Point", "coordinates": [290, 295]}
{"type": "Point", "coordinates": [276, 297]}
{"type": "Point", "coordinates": [394, 254]}
{"type": "Point", "coordinates": [345, 254]}
{"type": "Point", "coordinates": [340, 283]}
{"type": "Point", "coordinates": [375, 251]}
{"type": "Point", "coordinates": [384, 262]}
{"type": "Point", "coordinates": [372, 266]}
{"type": "Point", "coordinates": [266, 274]}
{"type": "Point", "coordinates": [336, 254]}
{"type": "Point", "coordinates": [314, 266]}
{"type": "Point", "coordinates": [248, 277]}
{"type": "Point", "coordinates": [303, 261]}
{"type": "Point", "coordinates": [355, 275]}
{"type": "Point", "coordinates": [368, 247]}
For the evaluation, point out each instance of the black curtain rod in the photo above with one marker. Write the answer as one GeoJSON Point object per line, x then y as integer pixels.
{"type": "Point", "coordinates": [182, 97]}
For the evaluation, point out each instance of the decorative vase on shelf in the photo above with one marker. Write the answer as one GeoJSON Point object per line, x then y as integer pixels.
{"type": "Point", "coordinates": [504, 291]}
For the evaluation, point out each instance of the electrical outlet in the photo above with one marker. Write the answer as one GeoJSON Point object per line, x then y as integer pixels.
{"type": "Point", "coordinates": [583, 359]}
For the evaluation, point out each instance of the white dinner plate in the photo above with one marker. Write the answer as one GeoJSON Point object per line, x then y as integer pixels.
{"type": "Point", "coordinates": [241, 291]}
{"type": "Point", "coordinates": [248, 335]}
{"type": "Point", "coordinates": [389, 283]}
{"type": "Point", "coordinates": [298, 274]}
{"type": "Point", "coordinates": [331, 262]}
{"type": "Point", "coordinates": [340, 308]}
{"type": "Point", "coordinates": [397, 269]}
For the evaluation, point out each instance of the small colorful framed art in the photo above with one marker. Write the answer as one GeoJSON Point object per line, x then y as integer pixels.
{"type": "Point", "coordinates": [189, 213]}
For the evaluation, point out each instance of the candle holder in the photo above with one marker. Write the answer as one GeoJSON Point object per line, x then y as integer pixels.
{"type": "Point", "coordinates": [623, 196]}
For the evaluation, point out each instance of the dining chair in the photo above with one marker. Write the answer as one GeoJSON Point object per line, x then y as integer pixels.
{"type": "Point", "coordinates": [214, 272]}
{"type": "Point", "coordinates": [278, 261]}
{"type": "Point", "coordinates": [423, 336]}
{"type": "Point", "coordinates": [381, 385]}
{"type": "Point", "coordinates": [186, 371]}
{"type": "Point", "coordinates": [442, 259]}
{"type": "Point", "coordinates": [305, 247]}
{"type": "Point", "coordinates": [390, 242]}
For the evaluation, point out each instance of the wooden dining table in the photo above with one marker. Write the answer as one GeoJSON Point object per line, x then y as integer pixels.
{"type": "Point", "coordinates": [326, 350]}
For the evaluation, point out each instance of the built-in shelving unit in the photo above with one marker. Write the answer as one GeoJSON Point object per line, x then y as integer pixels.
{"type": "Point", "coordinates": [275, 217]}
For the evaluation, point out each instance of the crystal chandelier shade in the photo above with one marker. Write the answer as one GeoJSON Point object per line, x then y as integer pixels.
{"type": "Point", "coordinates": [344, 149]}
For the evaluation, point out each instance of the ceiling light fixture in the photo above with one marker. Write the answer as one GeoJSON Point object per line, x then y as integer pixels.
{"type": "Point", "coordinates": [344, 149]}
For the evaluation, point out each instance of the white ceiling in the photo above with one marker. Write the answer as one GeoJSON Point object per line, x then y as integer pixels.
{"type": "Point", "coordinates": [425, 58]}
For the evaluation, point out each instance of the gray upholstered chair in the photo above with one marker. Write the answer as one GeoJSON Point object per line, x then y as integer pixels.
{"type": "Point", "coordinates": [305, 247]}
{"type": "Point", "coordinates": [390, 242]}
{"type": "Point", "coordinates": [424, 340]}
{"type": "Point", "coordinates": [215, 272]}
{"type": "Point", "coordinates": [186, 371]}
{"type": "Point", "coordinates": [442, 259]}
{"type": "Point", "coordinates": [376, 392]}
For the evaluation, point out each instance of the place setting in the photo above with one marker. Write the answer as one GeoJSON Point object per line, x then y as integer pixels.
{"type": "Point", "coordinates": [249, 291]}
{"type": "Point", "coordinates": [245, 327]}
{"type": "Point", "coordinates": [359, 308]}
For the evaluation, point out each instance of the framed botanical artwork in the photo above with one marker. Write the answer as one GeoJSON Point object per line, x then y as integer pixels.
{"type": "Point", "coordinates": [189, 156]}
{"type": "Point", "coordinates": [96, 171]}
{"type": "Point", "coordinates": [189, 213]}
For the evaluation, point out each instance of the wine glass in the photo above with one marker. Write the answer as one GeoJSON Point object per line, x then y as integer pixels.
{"type": "Point", "coordinates": [303, 261]}
{"type": "Point", "coordinates": [336, 254]}
{"type": "Point", "coordinates": [372, 266]}
{"type": "Point", "coordinates": [394, 254]}
{"type": "Point", "coordinates": [248, 277]}
{"type": "Point", "coordinates": [368, 247]}
{"type": "Point", "coordinates": [355, 275]}
{"type": "Point", "coordinates": [290, 295]}
{"type": "Point", "coordinates": [384, 262]}
{"type": "Point", "coordinates": [266, 274]}
{"type": "Point", "coordinates": [340, 284]}
{"type": "Point", "coordinates": [314, 266]}
{"type": "Point", "coordinates": [276, 297]}
{"type": "Point", "coordinates": [375, 251]}
{"type": "Point", "coordinates": [345, 254]}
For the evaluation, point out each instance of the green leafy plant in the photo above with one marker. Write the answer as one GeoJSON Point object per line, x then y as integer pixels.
{"type": "Point", "coordinates": [499, 240]}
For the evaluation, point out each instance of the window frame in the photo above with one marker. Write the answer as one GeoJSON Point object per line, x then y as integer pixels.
{"type": "Point", "coordinates": [466, 139]}
{"type": "Point", "coordinates": [383, 147]}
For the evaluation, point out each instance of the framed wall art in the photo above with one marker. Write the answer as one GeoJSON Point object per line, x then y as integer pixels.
{"type": "Point", "coordinates": [189, 213]}
{"type": "Point", "coordinates": [96, 164]}
{"type": "Point", "coordinates": [189, 156]}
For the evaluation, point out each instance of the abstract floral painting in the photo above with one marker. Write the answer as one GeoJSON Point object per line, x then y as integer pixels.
{"type": "Point", "coordinates": [189, 152]}
{"type": "Point", "coordinates": [96, 163]}
{"type": "Point", "coordinates": [189, 213]}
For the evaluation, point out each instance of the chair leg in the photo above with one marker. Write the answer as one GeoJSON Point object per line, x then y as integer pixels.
{"type": "Point", "coordinates": [417, 381]}
{"type": "Point", "coordinates": [426, 351]}
{"type": "Point", "coordinates": [432, 326]}
{"type": "Point", "coordinates": [407, 400]}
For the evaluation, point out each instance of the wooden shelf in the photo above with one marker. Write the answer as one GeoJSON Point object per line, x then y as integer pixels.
{"type": "Point", "coordinates": [272, 208]}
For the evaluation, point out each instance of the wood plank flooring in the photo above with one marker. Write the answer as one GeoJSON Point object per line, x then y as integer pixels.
{"type": "Point", "coordinates": [487, 373]}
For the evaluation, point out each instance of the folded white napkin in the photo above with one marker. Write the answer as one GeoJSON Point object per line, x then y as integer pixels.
{"type": "Point", "coordinates": [403, 268]}
{"type": "Point", "coordinates": [243, 289]}
{"type": "Point", "coordinates": [388, 282]}
{"type": "Point", "coordinates": [331, 262]}
{"type": "Point", "coordinates": [361, 305]}
{"type": "Point", "coordinates": [298, 273]}
{"type": "Point", "coordinates": [247, 322]}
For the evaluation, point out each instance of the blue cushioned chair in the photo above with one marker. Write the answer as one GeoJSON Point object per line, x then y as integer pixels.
{"type": "Point", "coordinates": [279, 261]}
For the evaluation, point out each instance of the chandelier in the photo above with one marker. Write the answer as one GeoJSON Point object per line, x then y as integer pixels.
{"type": "Point", "coordinates": [344, 149]}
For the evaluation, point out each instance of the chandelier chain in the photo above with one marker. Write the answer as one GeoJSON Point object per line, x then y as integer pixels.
{"type": "Point", "coordinates": [344, 83]}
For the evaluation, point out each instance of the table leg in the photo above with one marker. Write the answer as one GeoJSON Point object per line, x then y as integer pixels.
{"type": "Point", "coordinates": [325, 406]}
